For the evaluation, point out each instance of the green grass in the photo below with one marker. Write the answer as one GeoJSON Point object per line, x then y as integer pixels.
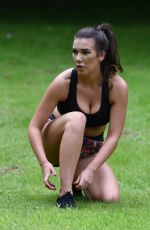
{"type": "Point", "coordinates": [30, 59]}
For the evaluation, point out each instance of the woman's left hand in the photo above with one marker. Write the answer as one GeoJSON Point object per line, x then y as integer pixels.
{"type": "Point", "coordinates": [84, 179]}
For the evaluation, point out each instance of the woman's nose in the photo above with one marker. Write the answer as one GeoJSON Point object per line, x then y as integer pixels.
{"type": "Point", "coordinates": [79, 57]}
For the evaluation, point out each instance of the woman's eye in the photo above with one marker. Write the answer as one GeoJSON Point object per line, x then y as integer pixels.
{"type": "Point", "coordinates": [74, 52]}
{"type": "Point", "coordinates": [85, 52]}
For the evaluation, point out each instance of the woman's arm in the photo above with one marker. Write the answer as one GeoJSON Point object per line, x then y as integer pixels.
{"type": "Point", "coordinates": [119, 98]}
{"type": "Point", "coordinates": [57, 91]}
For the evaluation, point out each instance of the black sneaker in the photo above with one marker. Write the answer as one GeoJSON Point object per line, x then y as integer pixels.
{"type": "Point", "coordinates": [66, 201]}
{"type": "Point", "coordinates": [77, 193]}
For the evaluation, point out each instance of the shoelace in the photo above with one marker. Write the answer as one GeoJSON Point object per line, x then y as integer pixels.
{"type": "Point", "coordinates": [67, 198]}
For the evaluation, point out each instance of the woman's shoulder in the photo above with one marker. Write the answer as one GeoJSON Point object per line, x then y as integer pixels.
{"type": "Point", "coordinates": [62, 79]}
{"type": "Point", "coordinates": [119, 88]}
{"type": "Point", "coordinates": [60, 84]}
{"type": "Point", "coordinates": [64, 75]}
{"type": "Point", "coordinates": [118, 83]}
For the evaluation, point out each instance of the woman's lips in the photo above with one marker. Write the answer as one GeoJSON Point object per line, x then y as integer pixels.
{"type": "Point", "coordinates": [80, 66]}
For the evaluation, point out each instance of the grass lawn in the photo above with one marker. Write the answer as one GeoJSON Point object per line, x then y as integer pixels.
{"type": "Point", "coordinates": [31, 55]}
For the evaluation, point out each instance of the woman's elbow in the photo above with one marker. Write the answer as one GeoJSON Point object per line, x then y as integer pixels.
{"type": "Point", "coordinates": [31, 130]}
{"type": "Point", "coordinates": [113, 138]}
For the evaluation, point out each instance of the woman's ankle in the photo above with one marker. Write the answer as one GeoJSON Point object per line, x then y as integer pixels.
{"type": "Point", "coordinates": [63, 191]}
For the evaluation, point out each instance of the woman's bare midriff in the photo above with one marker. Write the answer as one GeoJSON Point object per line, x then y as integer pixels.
{"type": "Point", "coordinates": [89, 131]}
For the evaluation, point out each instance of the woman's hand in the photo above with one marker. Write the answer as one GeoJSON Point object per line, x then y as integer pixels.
{"type": "Point", "coordinates": [84, 179]}
{"type": "Point", "coordinates": [48, 170]}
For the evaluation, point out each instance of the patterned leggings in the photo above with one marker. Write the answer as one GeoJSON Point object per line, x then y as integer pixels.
{"type": "Point", "coordinates": [91, 146]}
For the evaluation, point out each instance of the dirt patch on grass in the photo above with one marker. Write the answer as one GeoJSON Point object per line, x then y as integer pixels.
{"type": "Point", "coordinates": [11, 169]}
{"type": "Point", "coordinates": [129, 132]}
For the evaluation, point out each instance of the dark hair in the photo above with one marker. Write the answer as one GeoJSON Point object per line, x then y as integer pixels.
{"type": "Point", "coordinates": [105, 40]}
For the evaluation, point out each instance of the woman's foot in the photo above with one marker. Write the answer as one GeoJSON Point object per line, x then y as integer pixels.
{"type": "Point", "coordinates": [77, 192]}
{"type": "Point", "coordinates": [66, 201]}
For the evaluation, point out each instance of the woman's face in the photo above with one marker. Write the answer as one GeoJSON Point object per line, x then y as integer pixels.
{"type": "Point", "coordinates": [85, 56]}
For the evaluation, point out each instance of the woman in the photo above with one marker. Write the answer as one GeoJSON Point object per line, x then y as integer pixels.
{"type": "Point", "coordinates": [79, 103]}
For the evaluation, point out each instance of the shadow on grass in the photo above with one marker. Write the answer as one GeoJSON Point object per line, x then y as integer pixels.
{"type": "Point", "coordinates": [49, 199]}
{"type": "Point", "coordinates": [40, 201]}
{"type": "Point", "coordinates": [29, 198]}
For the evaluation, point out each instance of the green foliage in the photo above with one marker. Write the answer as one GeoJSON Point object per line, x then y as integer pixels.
{"type": "Point", "coordinates": [31, 56]}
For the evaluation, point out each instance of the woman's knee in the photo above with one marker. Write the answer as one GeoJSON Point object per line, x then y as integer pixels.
{"type": "Point", "coordinates": [111, 197]}
{"type": "Point", "coordinates": [108, 197]}
{"type": "Point", "coordinates": [77, 116]}
{"type": "Point", "coordinates": [76, 121]}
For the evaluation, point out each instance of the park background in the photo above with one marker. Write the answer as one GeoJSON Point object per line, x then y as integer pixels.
{"type": "Point", "coordinates": [35, 45]}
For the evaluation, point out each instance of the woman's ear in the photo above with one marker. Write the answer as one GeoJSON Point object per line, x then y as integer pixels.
{"type": "Point", "coordinates": [102, 55]}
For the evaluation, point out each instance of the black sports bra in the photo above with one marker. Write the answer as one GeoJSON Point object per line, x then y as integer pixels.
{"type": "Point", "coordinates": [101, 117]}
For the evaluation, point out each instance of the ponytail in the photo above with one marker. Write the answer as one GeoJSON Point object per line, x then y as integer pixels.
{"type": "Point", "coordinates": [111, 64]}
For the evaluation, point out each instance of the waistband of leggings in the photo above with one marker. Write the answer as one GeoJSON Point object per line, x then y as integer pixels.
{"type": "Point", "coordinates": [96, 138]}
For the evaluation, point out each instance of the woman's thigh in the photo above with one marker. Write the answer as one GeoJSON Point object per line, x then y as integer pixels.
{"type": "Point", "coordinates": [51, 136]}
{"type": "Point", "coordinates": [104, 186]}
{"type": "Point", "coordinates": [53, 131]}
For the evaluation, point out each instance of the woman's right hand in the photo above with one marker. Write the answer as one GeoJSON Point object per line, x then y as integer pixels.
{"type": "Point", "coordinates": [48, 170]}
